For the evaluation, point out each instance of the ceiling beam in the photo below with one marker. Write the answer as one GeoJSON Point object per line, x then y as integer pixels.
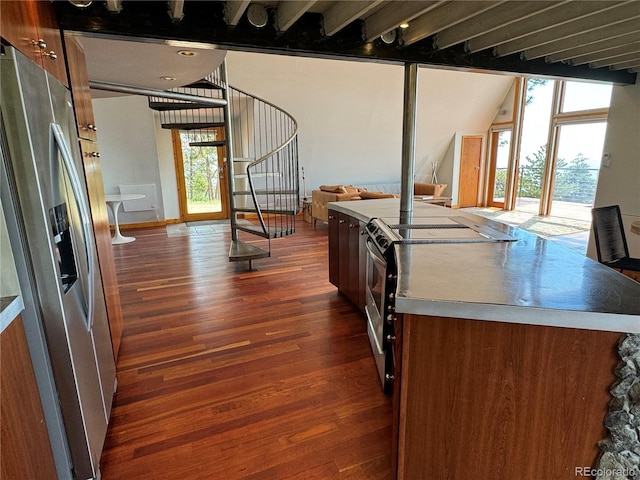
{"type": "Point", "coordinates": [233, 11]}
{"type": "Point", "coordinates": [204, 23]}
{"type": "Point", "coordinates": [176, 10]}
{"type": "Point", "coordinates": [491, 20]}
{"type": "Point", "coordinates": [589, 23]}
{"type": "Point", "coordinates": [631, 67]}
{"type": "Point", "coordinates": [392, 15]}
{"type": "Point", "coordinates": [621, 62]}
{"type": "Point", "coordinates": [623, 28]}
{"type": "Point", "coordinates": [609, 54]}
{"type": "Point", "coordinates": [290, 11]}
{"type": "Point", "coordinates": [343, 13]}
{"type": "Point", "coordinates": [560, 15]}
{"type": "Point", "coordinates": [592, 48]}
{"type": "Point", "coordinates": [443, 17]}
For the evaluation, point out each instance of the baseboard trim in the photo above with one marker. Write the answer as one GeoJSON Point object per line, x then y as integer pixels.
{"type": "Point", "coordinates": [156, 223]}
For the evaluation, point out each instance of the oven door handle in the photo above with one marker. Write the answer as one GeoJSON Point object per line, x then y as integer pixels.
{"type": "Point", "coordinates": [373, 330]}
{"type": "Point", "coordinates": [377, 257]}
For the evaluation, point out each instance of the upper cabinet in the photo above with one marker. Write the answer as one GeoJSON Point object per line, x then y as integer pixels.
{"type": "Point", "coordinates": [31, 27]}
{"type": "Point", "coordinates": [80, 89]}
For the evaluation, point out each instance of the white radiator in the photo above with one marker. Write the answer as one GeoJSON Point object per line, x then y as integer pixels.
{"type": "Point", "coordinates": [149, 202]}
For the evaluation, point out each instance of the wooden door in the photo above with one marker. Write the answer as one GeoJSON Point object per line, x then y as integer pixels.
{"type": "Point", "coordinates": [201, 171]}
{"type": "Point", "coordinates": [470, 162]}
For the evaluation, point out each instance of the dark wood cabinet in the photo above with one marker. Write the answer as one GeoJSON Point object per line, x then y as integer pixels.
{"type": "Point", "coordinates": [334, 249]}
{"type": "Point", "coordinates": [31, 27]}
{"type": "Point", "coordinates": [346, 262]}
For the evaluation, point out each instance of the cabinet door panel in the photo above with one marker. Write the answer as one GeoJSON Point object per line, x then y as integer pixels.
{"type": "Point", "coordinates": [80, 89]}
{"type": "Point", "coordinates": [53, 55]}
{"type": "Point", "coordinates": [334, 249]}
{"type": "Point", "coordinates": [343, 262]}
{"type": "Point", "coordinates": [354, 261]}
{"type": "Point", "coordinates": [18, 27]}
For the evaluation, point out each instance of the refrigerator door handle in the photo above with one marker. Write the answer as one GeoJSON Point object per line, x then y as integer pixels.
{"type": "Point", "coordinates": [59, 144]}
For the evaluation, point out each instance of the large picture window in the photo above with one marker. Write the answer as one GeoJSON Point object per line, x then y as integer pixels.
{"type": "Point", "coordinates": [555, 156]}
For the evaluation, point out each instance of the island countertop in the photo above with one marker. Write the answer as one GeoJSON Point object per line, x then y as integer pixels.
{"type": "Point", "coordinates": [530, 281]}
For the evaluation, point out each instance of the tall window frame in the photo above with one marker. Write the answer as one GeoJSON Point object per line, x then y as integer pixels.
{"type": "Point", "coordinates": [559, 117]}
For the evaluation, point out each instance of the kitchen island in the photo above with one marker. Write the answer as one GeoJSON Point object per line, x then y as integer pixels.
{"type": "Point", "coordinates": [504, 353]}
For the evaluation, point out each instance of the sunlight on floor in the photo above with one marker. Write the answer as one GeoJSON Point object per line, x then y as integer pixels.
{"type": "Point", "coordinates": [570, 227]}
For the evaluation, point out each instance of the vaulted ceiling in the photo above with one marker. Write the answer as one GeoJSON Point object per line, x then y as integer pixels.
{"type": "Point", "coordinates": [595, 40]}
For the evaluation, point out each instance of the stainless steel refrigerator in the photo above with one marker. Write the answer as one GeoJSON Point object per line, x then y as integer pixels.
{"type": "Point", "coordinates": [45, 192]}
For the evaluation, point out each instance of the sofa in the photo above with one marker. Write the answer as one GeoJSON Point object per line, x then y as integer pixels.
{"type": "Point", "coordinates": [330, 193]}
{"type": "Point", "coordinates": [340, 193]}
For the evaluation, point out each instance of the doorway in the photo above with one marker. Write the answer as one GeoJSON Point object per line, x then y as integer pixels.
{"type": "Point", "coordinates": [200, 157]}
{"type": "Point", "coordinates": [471, 149]}
{"type": "Point", "coordinates": [498, 167]}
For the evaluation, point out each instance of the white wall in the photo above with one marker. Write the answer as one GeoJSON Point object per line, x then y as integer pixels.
{"type": "Point", "coordinates": [349, 115]}
{"type": "Point", "coordinates": [128, 149]}
{"type": "Point", "coordinates": [619, 183]}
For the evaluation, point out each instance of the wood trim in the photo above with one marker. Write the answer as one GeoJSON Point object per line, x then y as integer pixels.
{"type": "Point", "coordinates": [179, 166]}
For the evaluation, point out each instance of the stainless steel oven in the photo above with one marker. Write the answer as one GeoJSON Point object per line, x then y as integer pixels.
{"type": "Point", "coordinates": [382, 273]}
{"type": "Point", "coordinates": [379, 302]}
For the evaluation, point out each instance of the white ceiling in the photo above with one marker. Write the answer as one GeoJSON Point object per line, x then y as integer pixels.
{"type": "Point", "coordinates": [141, 64]}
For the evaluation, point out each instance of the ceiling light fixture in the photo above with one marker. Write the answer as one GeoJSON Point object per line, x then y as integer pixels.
{"type": "Point", "coordinates": [81, 3]}
{"type": "Point", "coordinates": [388, 37]}
{"type": "Point", "coordinates": [187, 53]}
{"type": "Point", "coordinates": [257, 15]}
{"type": "Point", "coordinates": [168, 79]}
{"type": "Point", "coordinates": [404, 25]}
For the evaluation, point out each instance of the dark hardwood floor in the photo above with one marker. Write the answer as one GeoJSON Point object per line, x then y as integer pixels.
{"type": "Point", "coordinates": [232, 374]}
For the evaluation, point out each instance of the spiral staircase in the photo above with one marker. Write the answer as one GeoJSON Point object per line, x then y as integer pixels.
{"type": "Point", "coordinates": [261, 141]}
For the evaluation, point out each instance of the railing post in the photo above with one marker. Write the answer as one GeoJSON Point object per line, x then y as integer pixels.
{"type": "Point", "coordinates": [228, 136]}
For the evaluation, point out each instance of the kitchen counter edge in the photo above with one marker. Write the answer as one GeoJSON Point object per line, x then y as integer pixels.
{"type": "Point", "coordinates": [364, 210]}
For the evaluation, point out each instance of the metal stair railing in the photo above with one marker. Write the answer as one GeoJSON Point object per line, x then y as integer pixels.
{"type": "Point", "coordinates": [261, 141]}
{"type": "Point", "coordinates": [268, 135]}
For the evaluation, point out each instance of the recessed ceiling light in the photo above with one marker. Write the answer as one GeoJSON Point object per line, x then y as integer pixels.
{"type": "Point", "coordinates": [168, 79]}
{"type": "Point", "coordinates": [404, 25]}
{"type": "Point", "coordinates": [187, 53]}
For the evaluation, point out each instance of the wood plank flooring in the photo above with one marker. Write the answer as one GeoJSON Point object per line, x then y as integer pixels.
{"type": "Point", "coordinates": [232, 374]}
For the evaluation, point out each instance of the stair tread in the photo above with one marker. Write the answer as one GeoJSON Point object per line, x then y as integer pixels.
{"type": "Point", "coordinates": [171, 106]}
{"type": "Point", "coordinates": [192, 126]}
{"type": "Point", "coordinates": [239, 251]}
{"type": "Point", "coordinates": [266, 192]}
{"type": "Point", "coordinates": [277, 211]}
{"type": "Point", "coordinates": [213, 143]}
{"type": "Point", "coordinates": [271, 233]}
{"type": "Point", "coordinates": [203, 83]}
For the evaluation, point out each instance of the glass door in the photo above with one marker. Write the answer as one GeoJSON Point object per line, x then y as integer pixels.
{"type": "Point", "coordinates": [577, 165]}
{"type": "Point", "coordinates": [499, 167]}
{"type": "Point", "coordinates": [201, 173]}
{"type": "Point", "coordinates": [533, 144]}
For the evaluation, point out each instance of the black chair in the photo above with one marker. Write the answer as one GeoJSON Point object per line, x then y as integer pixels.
{"type": "Point", "coordinates": [611, 242]}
